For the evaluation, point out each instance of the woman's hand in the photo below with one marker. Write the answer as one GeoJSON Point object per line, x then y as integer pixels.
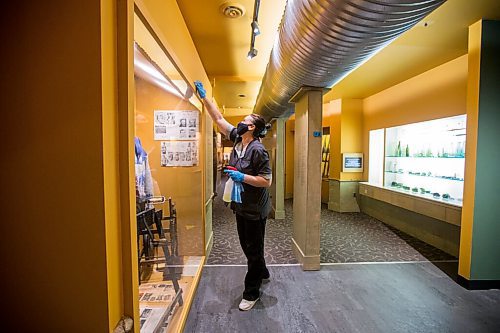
{"type": "Point", "coordinates": [257, 181]}
{"type": "Point", "coordinates": [200, 90]}
{"type": "Point", "coordinates": [236, 175]}
{"type": "Point", "coordinates": [224, 126]}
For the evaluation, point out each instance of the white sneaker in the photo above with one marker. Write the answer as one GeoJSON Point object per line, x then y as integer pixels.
{"type": "Point", "coordinates": [246, 305]}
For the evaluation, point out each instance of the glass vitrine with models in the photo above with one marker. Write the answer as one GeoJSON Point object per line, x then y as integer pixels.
{"type": "Point", "coordinates": [427, 159]}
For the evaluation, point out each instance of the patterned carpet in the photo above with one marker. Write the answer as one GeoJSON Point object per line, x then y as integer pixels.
{"type": "Point", "coordinates": [345, 237]}
{"type": "Point", "coordinates": [357, 237]}
{"type": "Point", "coordinates": [227, 250]}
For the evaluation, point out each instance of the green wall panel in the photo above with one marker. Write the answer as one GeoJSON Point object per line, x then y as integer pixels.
{"type": "Point", "coordinates": [485, 263]}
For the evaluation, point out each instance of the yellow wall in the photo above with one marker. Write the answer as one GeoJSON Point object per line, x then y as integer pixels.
{"type": "Point", "coordinates": [180, 183]}
{"type": "Point", "coordinates": [59, 179]}
{"type": "Point", "coordinates": [474, 65]}
{"type": "Point", "coordinates": [332, 112]}
{"type": "Point", "coordinates": [125, 102]}
{"type": "Point", "coordinates": [111, 164]}
{"type": "Point", "coordinates": [345, 119]}
{"type": "Point", "coordinates": [351, 119]}
{"type": "Point", "coordinates": [437, 93]}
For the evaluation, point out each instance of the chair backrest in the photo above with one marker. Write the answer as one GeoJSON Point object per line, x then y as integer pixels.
{"type": "Point", "coordinates": [145, 220]}
{"type": "Point", "coordinates": [171, 207]}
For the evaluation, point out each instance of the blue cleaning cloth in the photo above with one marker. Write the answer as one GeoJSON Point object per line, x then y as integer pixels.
{"type": "Point", "coordinates": [236, 193]}
{"type": "Point", "coordinates": [200, 89]}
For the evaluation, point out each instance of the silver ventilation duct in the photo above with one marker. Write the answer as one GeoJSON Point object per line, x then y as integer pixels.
{"type": "Point", "coordinates": [320, 41]}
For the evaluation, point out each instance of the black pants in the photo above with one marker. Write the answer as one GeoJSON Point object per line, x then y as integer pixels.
{"type": "Point", "coordinates": [251, 234]}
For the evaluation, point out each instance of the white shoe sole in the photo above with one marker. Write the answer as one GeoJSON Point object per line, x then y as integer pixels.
{"type": "Point", "coordinates": [249, 306]}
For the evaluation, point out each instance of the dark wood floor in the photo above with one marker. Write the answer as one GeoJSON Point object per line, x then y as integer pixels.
{"type": "Point", "coordinates": [410, 297]}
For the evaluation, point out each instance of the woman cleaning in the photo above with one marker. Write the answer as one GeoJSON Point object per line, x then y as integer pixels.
{"type": "Point", "coordinates": [251, 161]}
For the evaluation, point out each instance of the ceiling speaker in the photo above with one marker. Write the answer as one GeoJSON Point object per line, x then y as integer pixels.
{"type": "Point", "coordinates": [232, 10]}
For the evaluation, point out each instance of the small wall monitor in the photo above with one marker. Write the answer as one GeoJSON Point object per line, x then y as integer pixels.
{"type": "Point", "coordinates": [352, 162]}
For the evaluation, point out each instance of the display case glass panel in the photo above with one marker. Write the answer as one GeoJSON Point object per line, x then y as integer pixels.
{"type": "Point", "coordinates": [427, 159]}
{"type": "Point", "coordinates": [169, 193]}
{"type": "Point", "coordinates": [325, 153]}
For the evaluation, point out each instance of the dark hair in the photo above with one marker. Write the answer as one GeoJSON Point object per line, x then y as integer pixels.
{"type": "Point", "coordinates": [260, 126]}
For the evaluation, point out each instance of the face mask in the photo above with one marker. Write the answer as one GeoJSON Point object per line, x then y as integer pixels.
{"type": "Point", "coordinates": [241, 129]}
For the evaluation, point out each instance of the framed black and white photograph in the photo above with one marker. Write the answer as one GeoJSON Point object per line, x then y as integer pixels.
{"type": "Point", "coordinates": [179, 153]}
{"type": "Point", "coordinates": [175, 125]}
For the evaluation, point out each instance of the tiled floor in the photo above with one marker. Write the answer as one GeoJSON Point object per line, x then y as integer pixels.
{"type": "Point", "coordinates": [345, 237]}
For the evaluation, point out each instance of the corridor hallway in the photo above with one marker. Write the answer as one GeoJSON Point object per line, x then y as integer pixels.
{"type": "Point", "coordinates": [373, 278]}
{"type": "Point", "coordinates": [384, 131]}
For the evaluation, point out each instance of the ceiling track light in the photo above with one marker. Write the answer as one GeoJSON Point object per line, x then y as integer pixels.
{"type": "Point", "coordinates": [255, 30]}
{"type": "Point", "coordinates": [252, 53]}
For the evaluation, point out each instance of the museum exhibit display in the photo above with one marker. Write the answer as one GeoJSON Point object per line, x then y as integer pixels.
{"type": "Point", "coordinates": [427, 159]}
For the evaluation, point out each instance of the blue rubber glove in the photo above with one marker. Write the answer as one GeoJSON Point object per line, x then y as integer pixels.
{"type": "Point", "coordinates": [236, 176]}
{"type": "Point", "coordinates": [236, 193]}
{"type": "Point", "coordinates": [199, 89]}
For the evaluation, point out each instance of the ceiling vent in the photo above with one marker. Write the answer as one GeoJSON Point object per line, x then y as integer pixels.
{"type": "Point", "coordinates": [232, 10]}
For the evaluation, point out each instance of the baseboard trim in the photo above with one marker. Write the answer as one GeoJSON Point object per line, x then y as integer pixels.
{"type": "Point", "coordinates": [478, 284]}
{"type": "Point", "coordinates": [308, 263]}
{"type": "Point", "coordinates": [278, 214]}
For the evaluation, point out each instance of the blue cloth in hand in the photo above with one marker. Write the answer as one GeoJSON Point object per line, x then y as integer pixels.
{"type": "Point", "coordinates": [199, 89]}
{"type": "Point", "coordinates": [236, 176]}
{"type": "Point", "coordinates": [236, 193]}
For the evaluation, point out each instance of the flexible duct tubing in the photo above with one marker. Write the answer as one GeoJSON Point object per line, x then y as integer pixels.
{"type": "Point", "coordinates": [321, 41]}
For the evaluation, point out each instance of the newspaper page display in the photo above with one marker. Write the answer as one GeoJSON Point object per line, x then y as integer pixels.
{"type": "Point", "coordinates": [154, 298]}
{"type": "Point", "coordinates": [161, 293]}
{"type": "Point", "coordinates": [150, 318]}
{"type": "Point", "coordinates": [179, 153]}
{"type": "Point", "coordinates": [176, 125]}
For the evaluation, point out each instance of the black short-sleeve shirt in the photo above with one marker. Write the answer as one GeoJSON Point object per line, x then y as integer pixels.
{"type": "Point", "coordinates": [255, 200]}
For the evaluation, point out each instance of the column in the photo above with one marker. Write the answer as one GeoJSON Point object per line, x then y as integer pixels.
{"type": "Point", "coordinates": [479, 259]}
{"type": "Point", "coordinates": [307, 176]}
{"type": "Point", "coordinates": [278, 194]}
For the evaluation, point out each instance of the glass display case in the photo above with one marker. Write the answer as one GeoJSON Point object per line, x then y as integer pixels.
{"type": "Point", "coordinates": [427, 159]}
{"type": "Point", "coordinates": [169, 186]}
{"type": "Point", "coordinates": [325, 153]}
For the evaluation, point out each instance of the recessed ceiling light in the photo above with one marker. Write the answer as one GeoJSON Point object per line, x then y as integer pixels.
{"type": "Point", "coordinates": [425, 24]}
